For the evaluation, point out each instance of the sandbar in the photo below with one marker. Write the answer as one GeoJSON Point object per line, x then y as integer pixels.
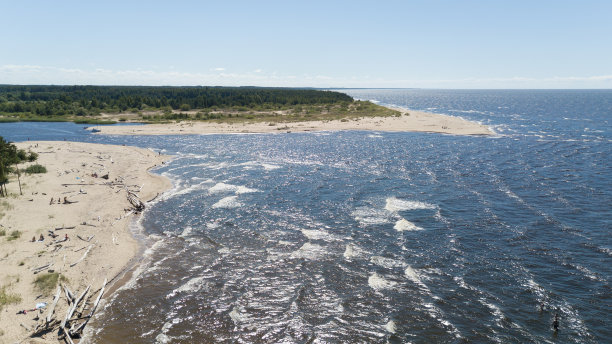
{"type": "Point", "coordinates": [408, 121]}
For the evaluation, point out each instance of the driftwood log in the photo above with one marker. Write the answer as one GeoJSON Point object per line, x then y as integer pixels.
{"type": "Point", "coordinates": [135, 201]}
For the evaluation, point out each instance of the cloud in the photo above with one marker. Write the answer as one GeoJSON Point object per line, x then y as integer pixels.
{"type": "Point", "coordinates": [35, 74]}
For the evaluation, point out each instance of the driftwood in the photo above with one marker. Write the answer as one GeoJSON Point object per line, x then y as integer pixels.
{"type": "Point", "coordinates": [74, 306]}
{"type": "Point", "coordinates": [59, 228]}
{"type": "Point", "coordinates": [93, 310]}
{"type": "Point", "coordinates": [69, 295]}
{"type": "Point", "coordinates": [152, 199]}
{"type": "Point", "coordinates": [41, 268]}
{"type": "Point", "coordinates": [83, 257]}
{"type": "Point", "coordinates": [52, 308]}
{"type": "Point", "coordinates": [135, 201]}
{"type": "Point", "coordinates": [86, 240]}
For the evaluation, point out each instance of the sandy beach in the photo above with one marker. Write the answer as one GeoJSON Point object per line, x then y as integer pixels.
{"type": "Point", "coordinates": [73, 200]}
{"type": "Point", "coordinates": [414, 121]}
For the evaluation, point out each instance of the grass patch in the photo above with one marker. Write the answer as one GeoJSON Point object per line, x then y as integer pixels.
{"type": "Point", "coordinates": [2, 232]}
{"type": "Point", "coordinates": [8, 298]}
{"type": "Point", "coordinates": [35, 169]}
{"type": "Point", "coordinates": [14, 236]}
{"type": "Point", "coordinates": [47, 282]}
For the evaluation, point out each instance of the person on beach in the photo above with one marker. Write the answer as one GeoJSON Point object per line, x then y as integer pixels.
{"type": "Point", "coordinates": [42, 238]}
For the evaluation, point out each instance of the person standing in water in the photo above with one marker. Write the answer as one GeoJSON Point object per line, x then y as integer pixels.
{"type": "Point", "coordinates": [555, 323]}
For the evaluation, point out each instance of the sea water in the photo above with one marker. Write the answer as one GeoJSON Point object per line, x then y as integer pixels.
{"type": "Point", "coordinates": [377, 237]}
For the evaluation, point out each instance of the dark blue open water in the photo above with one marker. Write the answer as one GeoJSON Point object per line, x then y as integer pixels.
{"type": "Point", "coordinates": [369, 237]}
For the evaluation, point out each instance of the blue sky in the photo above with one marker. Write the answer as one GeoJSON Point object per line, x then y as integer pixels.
{"type": "Point", "coordinates": [428, 44]}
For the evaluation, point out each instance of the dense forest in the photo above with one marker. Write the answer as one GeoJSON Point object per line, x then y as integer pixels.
{"type": "Point", "coordinates": [54, 101]}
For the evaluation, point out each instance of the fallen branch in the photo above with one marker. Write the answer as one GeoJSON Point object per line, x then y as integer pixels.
{"type": "Point", "coordinates": [52, 308]}
{"type": "Point", "coordinates": [57, 229]}
{"type": "Point", "coordinates": [86, 240]}
{"type": "Point", "coordinates": [41, 268]}
{"type": "Point", "coordinates": [84, 255]}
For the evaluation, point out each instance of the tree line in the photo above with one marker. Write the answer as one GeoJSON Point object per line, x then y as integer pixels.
{"type": "Point", "coordinates": [91, 100]}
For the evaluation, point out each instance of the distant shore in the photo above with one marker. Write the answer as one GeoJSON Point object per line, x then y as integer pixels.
{"type": "Point", "coordinates": [82, 197]}
{"type": "Point", "coordinates": [408, 121]}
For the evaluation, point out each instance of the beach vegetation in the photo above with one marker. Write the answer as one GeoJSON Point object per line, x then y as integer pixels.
{"type": "Point", "coordinates": [46, 283]}
{"type": "Point", "coordinates": [14, 235]}
{"type": "Point", "coordinates": [7, 298]}
{"type": "Point", "coordinates": [37, 168]}
{"type": "Point", "coordinates": [2, 232]}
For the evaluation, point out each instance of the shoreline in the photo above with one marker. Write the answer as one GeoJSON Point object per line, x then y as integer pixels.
{"type": "Point", "coordinates": [407, 121]}
{"type": "Point", "coordinates": [97, 208]}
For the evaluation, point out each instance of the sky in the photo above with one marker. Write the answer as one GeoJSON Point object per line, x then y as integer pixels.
{"type": "Point", "coordinates": [329, 44]}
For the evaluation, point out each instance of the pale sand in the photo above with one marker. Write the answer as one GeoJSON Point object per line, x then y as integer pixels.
{"type": "Point", "coordinates": [100, 205]}
{"type": "Point", "coordinates": [414, 121]}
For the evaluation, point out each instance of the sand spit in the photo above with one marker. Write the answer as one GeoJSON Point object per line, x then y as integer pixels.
{"type": "Point", "coordinates": [414, 121]}
{"type": "Point", "coordinates": [74, 199]}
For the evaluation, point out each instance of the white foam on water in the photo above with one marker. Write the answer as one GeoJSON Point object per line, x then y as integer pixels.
{"type": "Point", "coordinates": [391, 327]}
{"type": "Point", "coordinates": [317, 234]}
{"type": "Point", "coordinates": [196, 187]}
{"type": "Point", "coordinates": [221, 188]}
{"type": "Point", "coordinates": [186, 232]}
{"type": "Point", "coordinates": [237, 316]}
{"type": "Point", "coordinates": [388, 263]}
{"type": "Point", "coordinates": [269, 167]}
{"type": "Point", "coordinates": [228, 203]}
{"type": "Point", "coordinates": [375, 136]}
{"type": "Point", "coordinates": [394, 205]}
{"type": "Point", "coordinates": [412, 275]}
{"type": "Point", "coordinates": [226, 188]}
{"type": "Point", "coordinates": [370, 216]}
{"type": "Point", "coordinates": [405, 225]}
{"type": "Point", "coordinates": [353, 251]}
{"type": "Point", "coordinates": [309, 251]}
{"type": "Point", "coordinates": [243, 189]}
{"type": "Point", "coordinates": [377, 282]}
{"type": "Point", "coordinates": [192, 285]}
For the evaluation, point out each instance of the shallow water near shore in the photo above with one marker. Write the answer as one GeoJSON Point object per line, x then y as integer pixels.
{"type": "Point", "coordinates": [378, 237]}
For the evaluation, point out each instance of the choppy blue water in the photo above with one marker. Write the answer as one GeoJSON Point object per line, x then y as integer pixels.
{"type": "Point", "coordinates": [380, 237]}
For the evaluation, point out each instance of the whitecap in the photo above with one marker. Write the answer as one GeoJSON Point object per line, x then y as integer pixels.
{"type": "Point", "coordinates": [412, 275]}
{"type": "Point", "coordinates": [378, 282]}
{"type": "Point", "coordinates": [353, 251]}
{"type": "Point", "coordinates": [269, 167]}
{"type": "Point", "coordinates": [309, 251]}
{"type": "Point", "coordinates": [221, 188]}
{"type": "Point", "coordinates": [370, 216]}
{"type": "Point", "coordinates": [186, 232]}
{"type": "Point", "coordinates": [317, 234]}
{"type": "Point", "coordinates": [405, 225]}
{"type": "Point", "coordinates": [394, 204]}
{"type": "Point", "coordinates": [388, 263]}
{"type": "Point", "coordinates": [225, 188]}
{"type": "Point", "coordinates": [192, 285]}
{"type": "Point", "coordinates": [391, 327]}
{"type": "Point", "coordinates": [228, 203]}
{"type": "Point", "coordinates": [237, 316]}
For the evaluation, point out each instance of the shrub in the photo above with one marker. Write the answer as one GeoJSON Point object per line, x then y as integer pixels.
{"type": "Point", "coordinates": [32, 156]}
{"type": "Point", "coordinates": [14, 235]}
{"type": "Point", "coordinates": [45, 283]}
{"type": "Point", "coordinates": [36, 169]}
